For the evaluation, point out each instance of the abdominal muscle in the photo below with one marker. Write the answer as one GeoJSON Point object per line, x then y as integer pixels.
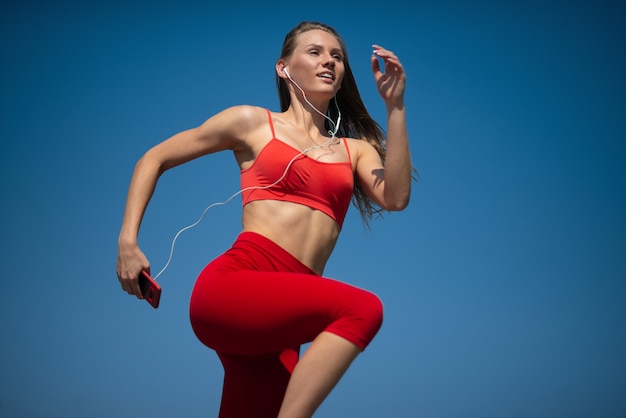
{"type": "Point", "coordinates": [307, 234]}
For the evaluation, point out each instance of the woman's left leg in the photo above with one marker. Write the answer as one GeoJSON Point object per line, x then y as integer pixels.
{"type": "Point", "coordinates": [316, 374]}
{"type": "Point", "coordinates": [250, 311]}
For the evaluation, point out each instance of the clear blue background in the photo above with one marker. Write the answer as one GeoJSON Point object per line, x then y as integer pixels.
{"type": "Point", "coordinates": [504, 282]}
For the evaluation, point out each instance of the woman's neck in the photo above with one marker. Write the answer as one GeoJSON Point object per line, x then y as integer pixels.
{"type": "Point", "coordinates": [302, 114]}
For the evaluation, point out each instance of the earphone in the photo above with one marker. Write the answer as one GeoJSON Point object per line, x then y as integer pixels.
{"type": "Point", "coordinates": [287, 167]}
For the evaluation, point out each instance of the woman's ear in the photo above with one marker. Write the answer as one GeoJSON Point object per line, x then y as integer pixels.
{"type": "Point", "coordinates": [281, 66]}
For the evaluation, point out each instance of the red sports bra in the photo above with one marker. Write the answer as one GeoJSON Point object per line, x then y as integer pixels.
{"type": "Point", "coordinates": [324, 186]}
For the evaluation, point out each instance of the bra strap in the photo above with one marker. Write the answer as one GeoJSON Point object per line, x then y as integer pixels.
{"type": "Point", "coordinates": [345, 143]}
{"type": "Point", "coordinates": [269, 117]}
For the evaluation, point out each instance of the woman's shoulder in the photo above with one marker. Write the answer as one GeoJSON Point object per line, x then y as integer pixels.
{"type": "Point", "coordinates": [359, 145]}
{"type": "Point", "coordinates": [237, 122]}
{"type": "Point", "coordinates": [244, 114]}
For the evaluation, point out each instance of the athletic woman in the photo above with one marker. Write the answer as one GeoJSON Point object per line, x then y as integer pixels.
{"type": "Point", "coordinates": [257, 303]}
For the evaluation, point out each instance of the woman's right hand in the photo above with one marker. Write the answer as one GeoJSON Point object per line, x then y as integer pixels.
{"type": "Point", "coordinates": [130, 262]}
{"type": "Point", "coordinates": [225, 130]}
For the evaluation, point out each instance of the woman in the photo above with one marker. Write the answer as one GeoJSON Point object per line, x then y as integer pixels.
{"type": "Point", "coordinates": [264, 297]}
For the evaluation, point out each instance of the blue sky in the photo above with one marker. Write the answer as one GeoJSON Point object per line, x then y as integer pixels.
{"type": "Point", "coordinates": [504, 282]}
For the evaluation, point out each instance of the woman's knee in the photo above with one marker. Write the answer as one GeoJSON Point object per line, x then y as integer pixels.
{"type": "Point", "coordinates": [372, 311]}
{"type": "Point", "coordinates": [360, 319]}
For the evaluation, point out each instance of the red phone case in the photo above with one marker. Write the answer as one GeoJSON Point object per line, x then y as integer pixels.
{"type": "Point", "coordinates": [150, 289]}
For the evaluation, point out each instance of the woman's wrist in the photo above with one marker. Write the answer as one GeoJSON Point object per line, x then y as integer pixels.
{"type": "Point", "coordinates": [395, 106]}
{"type": "Point", "coordinates": [127, 241]}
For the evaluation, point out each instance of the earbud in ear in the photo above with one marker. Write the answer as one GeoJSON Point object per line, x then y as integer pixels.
{"type": "Point", "coordinates": [285, 71]}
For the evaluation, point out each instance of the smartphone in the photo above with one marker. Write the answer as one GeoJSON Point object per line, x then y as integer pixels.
{"type": "Point", "coordinates": [150, 290]}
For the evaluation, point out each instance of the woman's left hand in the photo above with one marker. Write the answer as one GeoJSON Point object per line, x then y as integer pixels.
{"type": "Point", "coordinates": [391, 83]}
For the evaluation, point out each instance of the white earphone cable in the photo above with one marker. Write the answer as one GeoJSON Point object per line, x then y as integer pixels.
{"type": "Point", "coordinates": [330, 140]}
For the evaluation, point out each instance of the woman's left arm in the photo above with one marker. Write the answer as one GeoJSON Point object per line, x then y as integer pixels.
{"type": "Point", "coordinates": [389, 186]}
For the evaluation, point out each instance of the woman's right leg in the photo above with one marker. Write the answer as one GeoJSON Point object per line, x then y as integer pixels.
{"type": "Point", "coordinates": [254, 385]}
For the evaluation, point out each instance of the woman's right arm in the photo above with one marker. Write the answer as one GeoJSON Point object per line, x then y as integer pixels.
{"type": "Point", "coordinates": [226, 130]}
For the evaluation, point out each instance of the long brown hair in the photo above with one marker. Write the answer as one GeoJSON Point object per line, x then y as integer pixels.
{"type": "Point", "coordinates": [355, 119]}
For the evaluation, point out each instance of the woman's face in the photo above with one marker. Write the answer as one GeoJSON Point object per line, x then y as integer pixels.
{"type": "Point", "coordinates": [317, 63]}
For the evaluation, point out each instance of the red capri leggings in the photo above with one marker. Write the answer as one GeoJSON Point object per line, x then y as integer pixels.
{"type": "Point", "coordinates": [255, 305]}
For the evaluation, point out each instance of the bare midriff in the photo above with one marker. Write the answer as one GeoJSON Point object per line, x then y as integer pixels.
{"type": "Point", "coordinates": [307, 234]}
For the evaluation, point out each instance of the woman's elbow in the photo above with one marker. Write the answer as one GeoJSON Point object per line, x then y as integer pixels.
{"type": "Point", "coordinates": [398, 203]}
{"type": "Point", "coordinates": [150, 162]}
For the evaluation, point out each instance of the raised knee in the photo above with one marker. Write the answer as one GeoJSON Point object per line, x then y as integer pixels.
{"type": "Point", "coordinates": [363, 318]}
{"type": "Point", "coordinates": [373, 312]}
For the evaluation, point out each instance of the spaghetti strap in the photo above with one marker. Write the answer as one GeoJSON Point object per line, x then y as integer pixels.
{"type": "Point", "coordinates": [269, 117]}
{"type": "Point", "coordinates": [345, 143]}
